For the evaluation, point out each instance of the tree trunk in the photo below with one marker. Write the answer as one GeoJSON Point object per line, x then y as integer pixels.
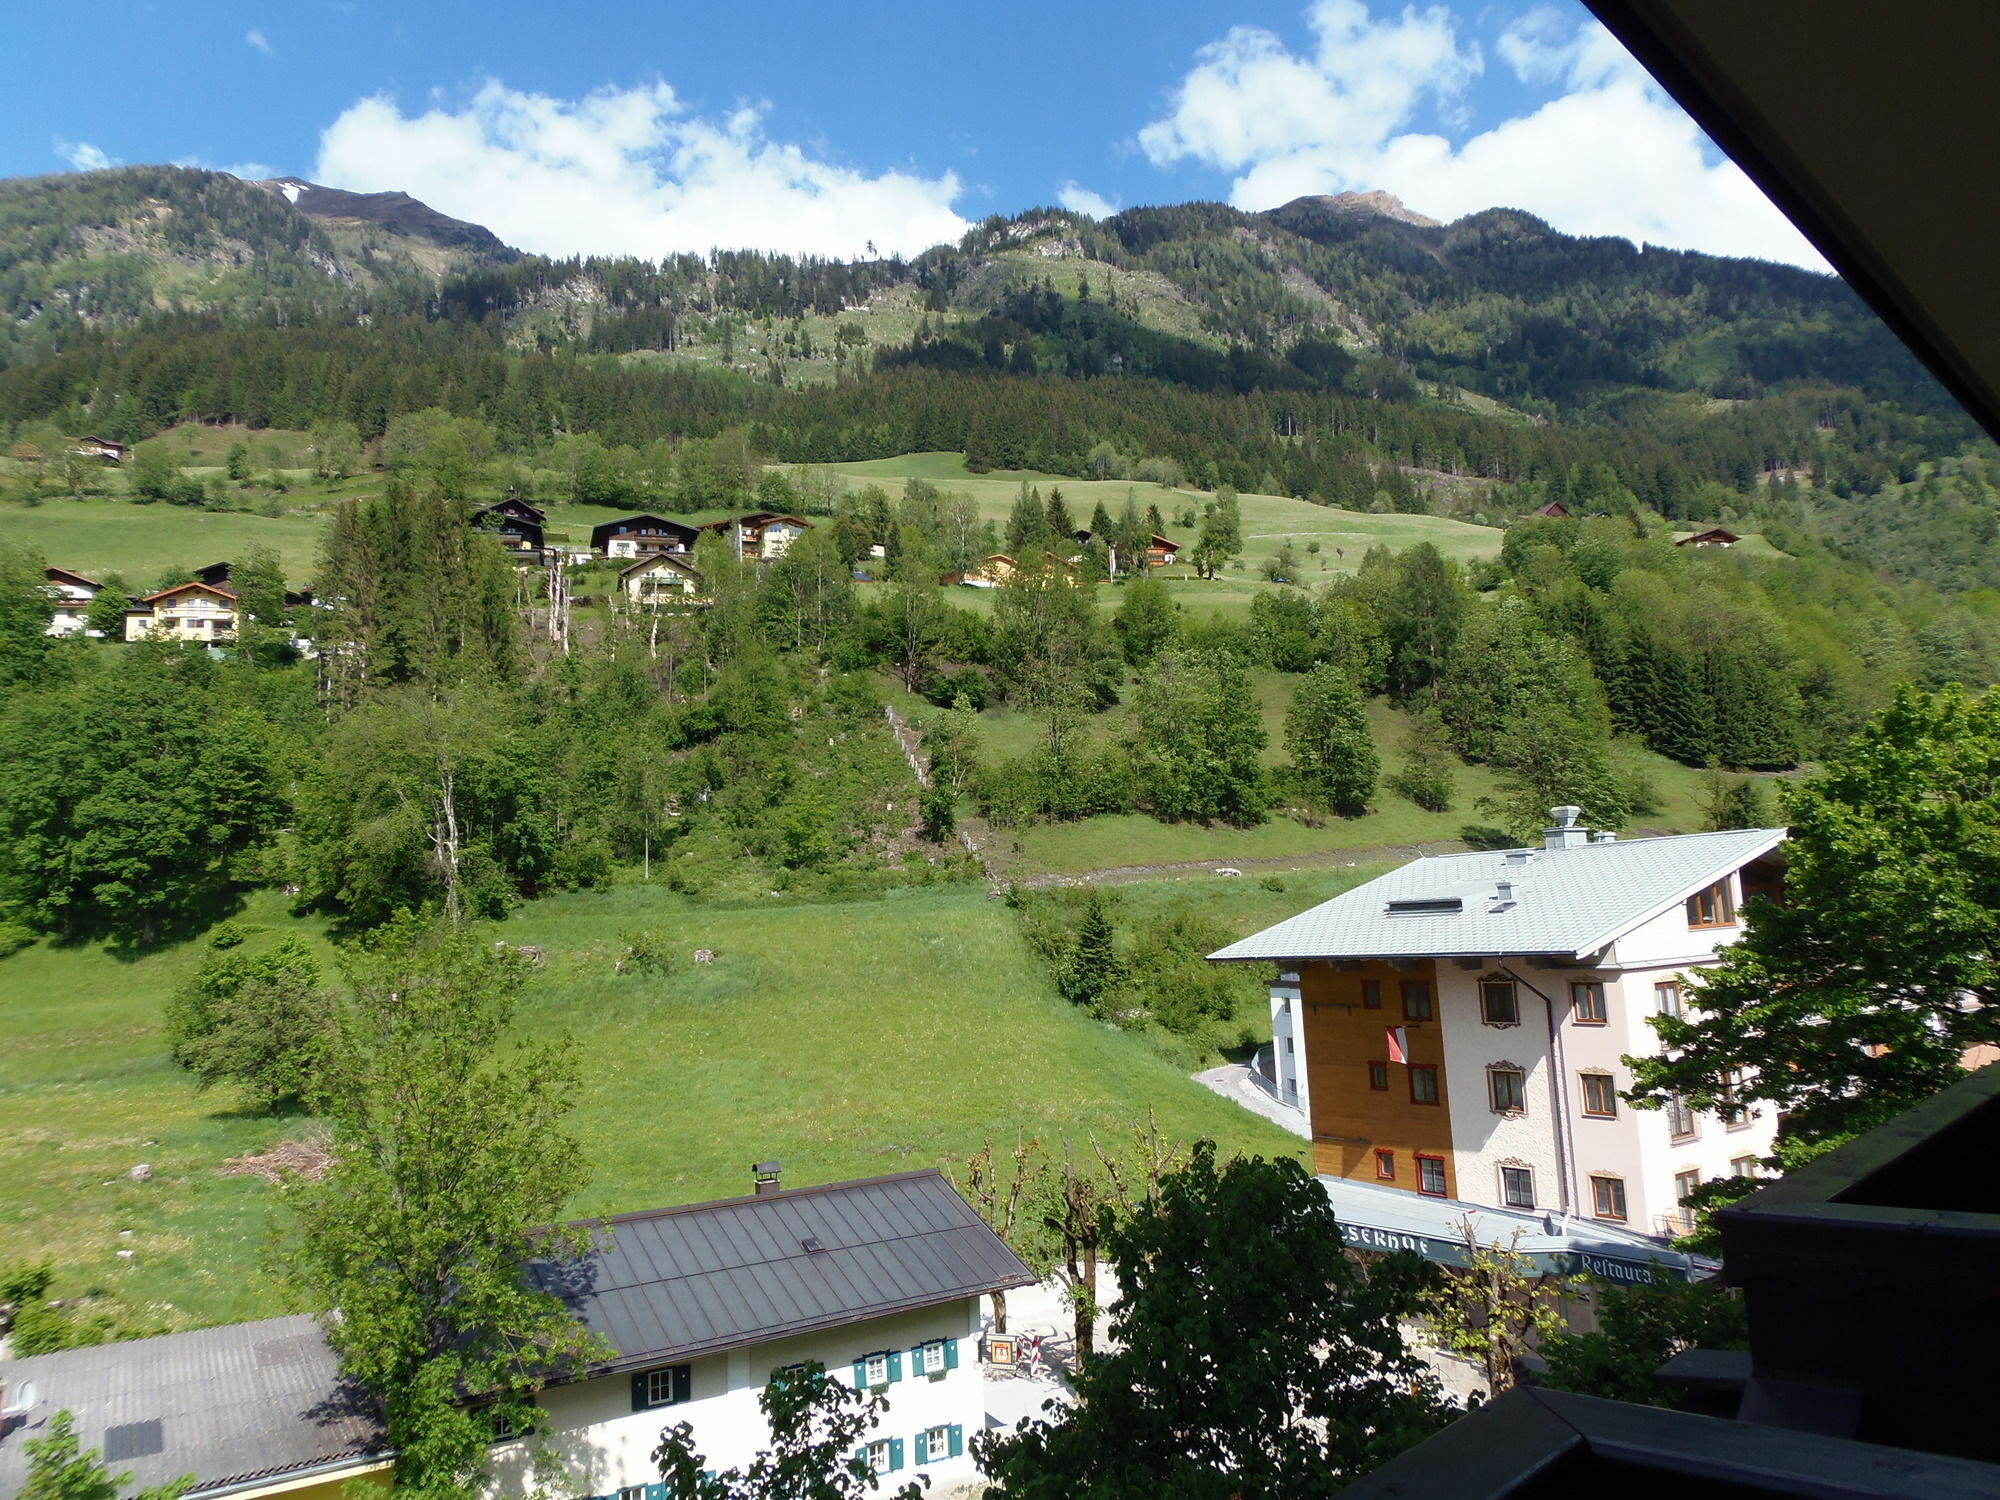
{"type": "Point", "coordinates": [999, 1311]}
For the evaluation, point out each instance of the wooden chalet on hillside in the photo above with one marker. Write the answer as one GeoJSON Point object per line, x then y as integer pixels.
{"type": "Point", "coordinates": [69, 596]}
{"type": "Point", "coordinates": [1162, 552]}
{"type": "Point", "coordinates": [1555, 510]}
{"type": "Point", "coordinates": [660, 577]}
{"type": "Point", "coordinates": [1714, 537]}
{"type": "Point", "coordinates": [110, 451]}
{"type": "Point", "coordinates": [640, 536]}
{"type": "Point", "coordinates": [761, 535]}
{"type": "Point", "coordinates": [195, 611]}
{"type": "Point", "coordinates": [518, 524]}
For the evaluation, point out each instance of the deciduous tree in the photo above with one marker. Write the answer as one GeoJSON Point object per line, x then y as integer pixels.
{"type": "Point", "coordinates": [1253, 1358]}
{"type": "Point", "coordinates": [452, 1169]}
{"type": "Point", "coordinates": [1327, 735]}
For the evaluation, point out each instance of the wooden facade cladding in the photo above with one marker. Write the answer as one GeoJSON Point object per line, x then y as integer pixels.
{"type": "Point", "coordinates": [1351, 1121]}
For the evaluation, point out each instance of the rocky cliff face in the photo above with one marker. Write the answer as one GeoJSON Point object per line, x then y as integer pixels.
{"type": "Point", "coordinates": [398, 213]}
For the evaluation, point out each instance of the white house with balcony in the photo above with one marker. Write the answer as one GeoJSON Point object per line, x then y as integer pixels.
{"type": "Point", "coordinates": [1454, 1031]}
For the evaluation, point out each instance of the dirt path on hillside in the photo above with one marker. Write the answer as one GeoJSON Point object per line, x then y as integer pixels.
{"type": "Point", "coordinates": [1325, 859]}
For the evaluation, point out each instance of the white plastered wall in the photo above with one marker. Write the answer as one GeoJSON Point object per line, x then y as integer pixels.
{"type": "Point", "coordinates": [605, 1445]}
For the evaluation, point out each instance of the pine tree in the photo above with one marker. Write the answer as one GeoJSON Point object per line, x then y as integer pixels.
{"type": "Point", "coordinates": [1091, 968]}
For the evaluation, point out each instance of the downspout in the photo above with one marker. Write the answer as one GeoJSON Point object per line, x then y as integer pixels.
{"type": "Point", "coordinates": [1557, 1070]}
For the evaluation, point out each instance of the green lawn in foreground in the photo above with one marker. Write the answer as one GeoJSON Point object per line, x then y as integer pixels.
{"type": "Point", "coordinates": [843, 1039]}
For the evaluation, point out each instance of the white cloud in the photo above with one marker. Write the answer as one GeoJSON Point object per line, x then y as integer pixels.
{"type": "Point", "coordinates": [1081, 200]}
{"type": "Point", "coordinates": [83, 156]}
{"type": "Point", "coordinates": [1249, 98]}
{"type": "Point", "coordinates": [256, 38]}
{"type": "Point", "coordinates": [629, 171]}
{"type": "Point", "coordinates": [1612, 155]}
{"type": "Point", "coordinates": [249, 171]}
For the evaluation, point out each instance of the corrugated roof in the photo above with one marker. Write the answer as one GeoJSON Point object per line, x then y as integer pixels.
{"type": "Point", "coordinates": [252, 1400]}
{"type": "Point", "coordinates": [1564, 901]}
{"type": "Point", "coordinates": [236, 1402]}
{"type": "Point", "coordinates": [686, 1281]}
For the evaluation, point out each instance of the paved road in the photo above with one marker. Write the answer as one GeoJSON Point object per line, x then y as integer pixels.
{"type": "Point", "coordinates": [1232, 1081]}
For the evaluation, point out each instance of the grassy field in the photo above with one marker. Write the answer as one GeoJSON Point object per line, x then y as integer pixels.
{"type": "Point", "coordinates": [1268, 520]}
{"type": "Point", "coordinates": [101, 535]}
{"type": "Point", "coordinates": [845, 1040]}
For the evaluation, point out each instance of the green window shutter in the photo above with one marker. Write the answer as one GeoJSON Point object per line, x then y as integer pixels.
{"type": "Point", "coordinates": [957, 1441]}
{"type": "Point", "coordinates": [895, 1454]}
{"type": "Point", "coordinates": [683, 1383]}
{"type": "Point", "coordinates": [951, 1354]}
{"type": "Point", "coordinates": [861, 1374]}
{"type": "Point", "coordinates": [923, 1453]}
{"type": "Point", "coordinates": [639, 1391]}
{"type": "Point", "coordinates": [895, 1364]}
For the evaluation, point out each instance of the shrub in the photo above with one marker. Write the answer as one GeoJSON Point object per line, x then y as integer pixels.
{"type": "Point", "coordinates": [13, 938]}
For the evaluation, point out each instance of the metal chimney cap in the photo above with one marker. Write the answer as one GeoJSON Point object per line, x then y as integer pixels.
{"type": "Point", "coordinates": [1565, 817]}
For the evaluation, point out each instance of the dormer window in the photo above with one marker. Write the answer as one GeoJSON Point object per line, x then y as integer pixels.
{"type": "Point", "coordinates": [1714, 907]}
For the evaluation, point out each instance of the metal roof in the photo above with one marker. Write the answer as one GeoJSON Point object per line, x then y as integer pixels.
{"type": "Point", "coordinates": [1571, 901]}
{"type": "Point", "coordinates": [253, 1400]}
{"type": "Point", "coordinates": [679, 1282]}
{"type": "Point", "coordinates": [242, 1401]}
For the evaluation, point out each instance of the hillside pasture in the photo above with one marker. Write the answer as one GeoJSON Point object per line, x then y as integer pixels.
{"type": "Point", "coordinates": [844, 1040]}
{"type": "Point", "coordinates": [1268, 520]}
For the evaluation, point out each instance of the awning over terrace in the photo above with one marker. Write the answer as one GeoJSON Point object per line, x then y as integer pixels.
{"type": "Point", "coordinates": [1383, 1218]}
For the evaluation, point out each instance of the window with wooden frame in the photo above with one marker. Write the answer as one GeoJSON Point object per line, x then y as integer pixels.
{"type": "Point", "coordinates": [1684, 1185]}
{"type": "Point", "coordinates": [1378, 1076]}
{"type": "Point", "coordinates": [1508, 1089]}
{"type": "Point", "coordinates": [1499, 1004]}
{"type": "Point", "coordinates": [1714, 907]}
{"type": "Point", "coordinates": [1423, 1083]}
{"type": "Point", "coordinates": [1586, 1002]}
{"type": "Point", "coordinates": [1734, 1115]}
{"type": "Point", "coordinates": [1742, 1166]}
{"type": "Point", "coordinates": [1600, 1095]}
{"type": "Point", "coordinates": [1607, 1197]}
{"type": "Point", "coordinates": [1430, 1175]}
{"type": "Point", "coordinates": [1667, 998]}
{"type": "Point", "coordinates": [1371, 994]}
{"type": "Point", "coordinates": [1416, 1000]}
{"type": "Point", "coordinates": [1385, 1166]}
{"type": "Point", "coordinates": [1517, 1187]}
{"type": "Point", "coordinates": [1680, 1119]}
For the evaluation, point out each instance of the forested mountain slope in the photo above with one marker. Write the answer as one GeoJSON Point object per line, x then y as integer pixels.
{"type": "Point", "coordinates": [1494, 363]}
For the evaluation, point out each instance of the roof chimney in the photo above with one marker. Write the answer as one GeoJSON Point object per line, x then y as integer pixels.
{"type": "Point", "coordinates": [764, 1177]}
{"type": "Point", "coordinates": [1503, 891]}
{"type": "Point", "coordinates": [1566, 833]}
{"type": "Point", "coordinates": [1604, 836]}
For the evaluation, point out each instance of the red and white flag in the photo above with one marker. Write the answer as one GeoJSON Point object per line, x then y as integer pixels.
{"type": "Point", "coordinates": [1399, 1045]}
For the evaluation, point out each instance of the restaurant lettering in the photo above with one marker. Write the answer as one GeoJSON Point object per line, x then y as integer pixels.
{"type": "Point", "coordinates": [1617, 1270]}
{"type": "Point", "coordinates": [1361, 1237]}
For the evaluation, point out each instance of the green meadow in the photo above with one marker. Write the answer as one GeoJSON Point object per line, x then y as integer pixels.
{"type": "Point", "coordinates": [845, 1040]}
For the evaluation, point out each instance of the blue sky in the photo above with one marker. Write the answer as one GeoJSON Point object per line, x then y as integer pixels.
{"type": "Point", "coordinates": [621, 128]}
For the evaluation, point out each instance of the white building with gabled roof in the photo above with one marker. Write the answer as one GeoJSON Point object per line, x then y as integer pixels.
{"type": "Point", "coordinates": [1455, 1030]}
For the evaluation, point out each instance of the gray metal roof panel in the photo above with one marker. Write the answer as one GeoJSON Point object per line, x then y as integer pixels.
{"type": "Point", "coordinates": [241, 1400]}
{"type": "Point", "coordinates": [710, 1276]}
{"type": "Point", "coordinates": [1568, 901]}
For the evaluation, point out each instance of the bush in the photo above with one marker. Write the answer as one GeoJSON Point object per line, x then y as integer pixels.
{"type": "Point", "coordinates": [1485, 836]}
{"type": "Point", "coordinates": [650, 954]}
{"type": "Point", "coordinates": [26, 1281]}
{"type": "Point", "coordinates": [13, 938]}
